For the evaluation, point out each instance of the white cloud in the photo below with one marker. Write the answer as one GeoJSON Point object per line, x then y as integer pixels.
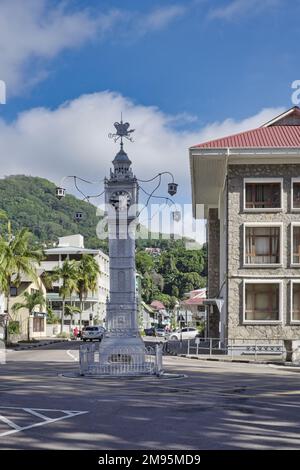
{"type": "Point", "coordinates": [34, 32]}
{"type": "Point", "coordinates": [160, 18]}
{"type": "Point", "coordinates": [73, 139]}
{"type": "Point", "coordinates": [237, 8]}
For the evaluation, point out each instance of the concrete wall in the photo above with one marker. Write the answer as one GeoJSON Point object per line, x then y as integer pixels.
{"type": "Point", "coordinates": [237, 272]}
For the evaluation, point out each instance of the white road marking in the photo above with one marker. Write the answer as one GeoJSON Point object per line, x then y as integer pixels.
{"type": "Point", "coordinates": [35, 411]}
{"type": "Point", "coordinates": [10, 423]}
{"type": "Point", "coordinates": [72, 355]}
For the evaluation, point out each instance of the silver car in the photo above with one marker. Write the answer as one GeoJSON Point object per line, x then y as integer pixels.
{"type": "Point", "coordinates": [91, 333]}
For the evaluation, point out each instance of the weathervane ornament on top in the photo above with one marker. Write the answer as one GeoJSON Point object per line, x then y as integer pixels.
{"type": "Point", "coordinates": [123, 130]}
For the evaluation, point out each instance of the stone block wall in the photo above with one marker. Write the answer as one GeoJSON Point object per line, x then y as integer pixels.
{"type": "Point", "coordinates": [236, 270]}
{"type": "Point", "coordinates": [213, 234]}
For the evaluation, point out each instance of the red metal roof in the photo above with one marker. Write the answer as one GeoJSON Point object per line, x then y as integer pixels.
{"type": "Point", "coordinates": [273, 136]}
{"type": "Point", "coordinates": [157, 305]}
{"type": "Point", "coordinates": [193, 301]}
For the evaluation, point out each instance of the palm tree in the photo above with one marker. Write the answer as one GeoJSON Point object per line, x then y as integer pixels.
{"type": "Point", "coordinates": [31, 300]}
{"type": "Point", "coordinates": [70, 310]}
{"type": "Point", "coordinates": [17, 258]}
{"type": "Point", "coordinates": [67, 275]}
{"type": "Point", "coordinates": [87, 279]}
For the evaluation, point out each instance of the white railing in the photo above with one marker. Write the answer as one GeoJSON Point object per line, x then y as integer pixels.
{"type": "Point", "coordinates": [122, 361]}
{"type": "Point", "coordinates": [254, 348]}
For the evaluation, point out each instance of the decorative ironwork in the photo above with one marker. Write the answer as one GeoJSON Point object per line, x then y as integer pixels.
{"type": "Point", "coordinates": [122, 130]}
{"type": "Point", "coordinates": [121, 361]}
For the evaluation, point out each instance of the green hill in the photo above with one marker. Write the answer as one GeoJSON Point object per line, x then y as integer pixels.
{"type": "Point", "coordinates": [31, 202]}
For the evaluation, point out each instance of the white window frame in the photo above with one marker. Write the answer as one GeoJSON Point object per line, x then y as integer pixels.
{"type": "Point", "coordinates": [262, 209]}
{"type": "Point", "coordinates": [263, 224]}
{"type": "Point", "coordinates": [292, 321]}
{"type": "Point", "coordinates": [294, 180]}
{"type": "Point", "coordinates": [263, 281]}
{"type": "Point", "coordinates": [295, 265]}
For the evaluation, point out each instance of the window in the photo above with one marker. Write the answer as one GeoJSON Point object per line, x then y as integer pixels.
{"type": "Point", "coordinates": [262, 244]}
{"type": "Point", "coordinates": [75, 257]}
{"type": "Point", "coordinates": [263, 194]}
{"type": "Point", "coordinates": [295, 301]}
{"type": "Point", "coordinates": [295, 245]}
{"type": "Point", "coordinates": [52, 258]}
{"type": "Point", "coordinates": [262, 301]}
{"type": "Point", "coordinates": [38, 325]}
{"type": "Point", "coordinates": [13, 291]}
{"type": "Point", "coordinates": [295, 193]}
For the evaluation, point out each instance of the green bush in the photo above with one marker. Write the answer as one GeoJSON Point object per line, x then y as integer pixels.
{"type": "Point", "coordinates": [13, 328]}
{"type": "Point", "coordinates": [52, 319]}
{"type": "Point", "coordinates": [62, 335]}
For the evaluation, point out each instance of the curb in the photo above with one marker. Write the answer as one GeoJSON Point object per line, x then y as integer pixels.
{"type": "Point", "coordinates": [38, 345]}
{"type": "Point", "coordinates": [241, 361]}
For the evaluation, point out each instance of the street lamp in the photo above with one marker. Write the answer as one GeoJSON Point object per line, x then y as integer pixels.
{"type": "Point", "coordinates": [60, 192]}
{"type": "Point", "coordinates": [172, 188]}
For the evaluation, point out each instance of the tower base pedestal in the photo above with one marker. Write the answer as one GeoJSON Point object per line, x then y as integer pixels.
{"type": "Point", "coordinates": [120, 356]}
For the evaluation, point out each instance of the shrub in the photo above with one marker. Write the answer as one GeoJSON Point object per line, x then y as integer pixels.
{"type": "Point", "coordinates": [62, 335]}
{"type": "Point", "coordinates": [13, 328]}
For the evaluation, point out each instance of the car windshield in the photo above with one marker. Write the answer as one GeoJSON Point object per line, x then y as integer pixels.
{"type": "Point", "coordinates": [91, 328]}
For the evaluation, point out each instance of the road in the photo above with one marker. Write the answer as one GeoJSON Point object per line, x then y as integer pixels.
{"type": "Point", "coordinates": [215, 406]}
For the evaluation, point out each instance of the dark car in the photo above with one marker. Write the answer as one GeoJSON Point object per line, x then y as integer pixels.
{"type": "Point", "coordinates": [149, 331]}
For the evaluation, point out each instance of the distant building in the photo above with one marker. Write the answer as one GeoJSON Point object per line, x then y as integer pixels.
{"type": "Point", "coordinates": [147, 316]}
{"type": "Point", "coordinates": [153, 251]}
{"type": "Point", "coordinates": [30, 325]}
{"type": "Point", "coordinates": [162, 316]}
{"type": "Point", "coordinates": [192, 310]}
{"type": "Point", "coordinates": [72, 248]}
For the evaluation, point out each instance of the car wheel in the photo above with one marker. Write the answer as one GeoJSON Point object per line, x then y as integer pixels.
{"type": "Point", "coordinates": [174, 338]}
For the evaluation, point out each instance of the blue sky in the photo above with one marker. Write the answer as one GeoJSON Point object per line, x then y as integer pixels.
{"type": "Point", "coordinates": [181, 71]}
{"type": "Point", "coordinates": [201, 61]}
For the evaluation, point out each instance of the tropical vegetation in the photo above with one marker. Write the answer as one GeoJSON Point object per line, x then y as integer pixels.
{"type": "Point", "coordinates": [18, 257]}
{"type": "Point", "coordinates": [172, 273]}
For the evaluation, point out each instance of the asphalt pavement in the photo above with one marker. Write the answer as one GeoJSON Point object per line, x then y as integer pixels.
{"type": "Point", "coordinates": [214, 406]}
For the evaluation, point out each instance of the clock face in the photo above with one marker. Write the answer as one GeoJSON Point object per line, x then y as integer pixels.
{"type": "Point", "coordinates": [120, 200]}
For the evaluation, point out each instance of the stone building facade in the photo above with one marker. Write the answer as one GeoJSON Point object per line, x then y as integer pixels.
{"type": "Point", "coordinates": [238, 272]}
{"type": "Point", "coordinates": [249, 185]}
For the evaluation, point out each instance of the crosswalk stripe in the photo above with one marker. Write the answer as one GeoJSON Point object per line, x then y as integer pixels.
{"type": "Point", "coordinates": [10, 423]}
{"type": "Point", "coordinates": [36, 413]}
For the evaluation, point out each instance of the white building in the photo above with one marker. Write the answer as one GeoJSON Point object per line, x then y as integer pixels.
{"type": "Point", "coordinates": [72, 248]}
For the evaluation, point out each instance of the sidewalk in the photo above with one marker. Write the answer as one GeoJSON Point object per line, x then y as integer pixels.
{"type": "Point", "coordinates": [36, 344]}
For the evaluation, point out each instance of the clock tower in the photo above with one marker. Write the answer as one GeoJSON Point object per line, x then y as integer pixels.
{"type": "Point", "coordinates": [121, 198]}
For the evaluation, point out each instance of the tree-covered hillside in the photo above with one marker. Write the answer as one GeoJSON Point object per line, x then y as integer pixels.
{"type": "Point", "coordinates": [31, 202]}
{"type": "Point", "coordinates": [172, 273]}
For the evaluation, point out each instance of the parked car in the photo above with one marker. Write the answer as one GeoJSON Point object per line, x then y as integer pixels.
{"type": "Point", "coordinates": [160, 332]}
{"type": "Point", "coordinates": [149, 331]}
{"type": "Point", "coordinates": [183, 333]}
{"type": "Point", "coordinates": [91, 333]}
